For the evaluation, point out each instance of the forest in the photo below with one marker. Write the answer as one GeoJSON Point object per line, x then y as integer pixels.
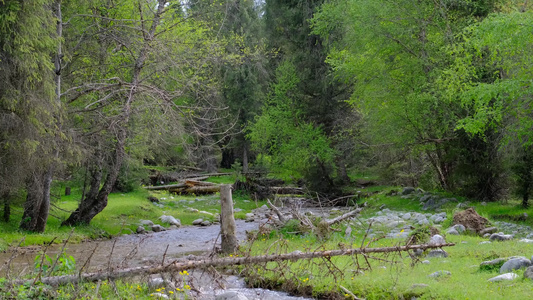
{"type": "Point", "coordinates": [401, 113]}
{"type": "Point", "coordinates": [426, 93]}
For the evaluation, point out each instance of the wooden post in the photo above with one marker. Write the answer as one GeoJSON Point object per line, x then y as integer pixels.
{"type": "Point", "coordinates": [227, 221]}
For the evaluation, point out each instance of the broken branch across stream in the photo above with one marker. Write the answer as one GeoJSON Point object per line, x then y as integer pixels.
{"type": "Point", "coordinates": [216, 262]}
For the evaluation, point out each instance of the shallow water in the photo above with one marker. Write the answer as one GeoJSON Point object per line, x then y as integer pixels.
{"type": "Point", "coordinates": [145, 249]}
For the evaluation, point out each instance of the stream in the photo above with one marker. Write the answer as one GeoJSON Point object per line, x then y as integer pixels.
{"type": "Point", "coordinates": [148, 249]}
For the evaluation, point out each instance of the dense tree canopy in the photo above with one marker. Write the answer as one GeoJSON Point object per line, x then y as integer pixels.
{"type": "Point", "coordinates": [429, 93]}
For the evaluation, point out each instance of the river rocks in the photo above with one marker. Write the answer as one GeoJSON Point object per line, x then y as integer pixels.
{"type": "Point", "coordinates": [438, 218]}
{"type": "Point", "coordinates": [529, 273]}
{"type": "Point", "coordinates": [408, 190]}
{"type": "Point", "coordinates": [507, 276]}
{"type": "Point", "coordinates": [515, 264]}
{"type": "Point", "coordinates": [140, 230]}
{"type": "Point", "coordinates": [437, 253]}
{"type": "Point", "coordinates": [500, 237]}
{"type": "Point", "coordinates": [250, 217]}
{"type": "Point", "coordinates": [146, 222]}
{"type": "Point", "coordinates": [157, 228]}
{"type": "Point", "coordinates": [494, 264]}
{"type": "Point", "coordinates": [440, 274]}
{"type": "Point", "coordinates": [170, 220]}
{"type": "Point", "coordinates": [231, 295]}
{"type": "Point", "coordinates": [437, 239]}
{"type": "Point", "coordinates": [205, 223]}
{"type": "Point", "coordinates": [197, 222]}
{"type": "Point", "coordinates": [488, 230]}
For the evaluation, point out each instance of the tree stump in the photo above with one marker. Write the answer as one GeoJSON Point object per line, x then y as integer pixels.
{"type": "Point", "coordinates": [67, 191]}
{"type": "Point", "coordinates": [229, 242]}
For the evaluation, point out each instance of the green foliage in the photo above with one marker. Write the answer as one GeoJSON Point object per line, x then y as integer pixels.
{"type": "Point", "coordinates": [63, 264]}
{"type": "Point", "coordinates": [293, 144]}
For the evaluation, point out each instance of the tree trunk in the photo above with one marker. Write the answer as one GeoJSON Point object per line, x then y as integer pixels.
{"type": "Point", "coordinates": [229, 242]}
{"type": "Point", "coordinates": [228, 158]}
{"type": "Point", "coordinates": [218, 262]}
{"type": "Point", "coordinates": [34, 204]}
{"type": "Point", "coordinates": [94, 204]}
{"type": "Point", "coordinates": [7, 207]}
{"type": "Point", "coordinates": [245, 158]}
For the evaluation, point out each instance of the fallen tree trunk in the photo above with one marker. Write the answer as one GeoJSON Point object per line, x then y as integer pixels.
{"type": "Point", "coordinates": [193, 183]}
{"type": "Point", "coordinates": [165, 187]}
{"type": "Point", "coordinates": [217, 262]}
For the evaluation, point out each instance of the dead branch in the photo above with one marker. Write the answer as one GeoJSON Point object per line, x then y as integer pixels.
{"type": "Point", "coordinates": [217, 262]}
{"type": "Point", "coordinates": [281, 218]}
{"type": "Point", "coordinates": [165, 187]}
{"type": "Point", "coordinates": [345, 216]}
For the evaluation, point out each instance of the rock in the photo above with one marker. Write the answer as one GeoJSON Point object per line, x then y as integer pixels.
{"type": "Point", "coordinates": [408, 190]}
{"type": "Point", "coordinates": [231, 295]}
{"type": "Point", "coordinates": [529, 273]}
{"type": "Point", "coordinates": [192, 210]}
{"type": "Point", "coordinates": [206, 223]}
{"type": "Point", "coordinates": [491, 265]}
{"type": "Point", "coordinates": [237, 210]}
{"type": "Point", "coordinates": [394, 224]}
{"type": "Point", "coordinates": [436, 240]}
{"type": "Point", "coordinates": [155, 283]}
{"type": "Point", "coordinates": [172, 227]}
{"type": "Point", "coordinates": [459, 227]}
{"type": "Point", "coordinates": [439, 220]}
{"type": "Point", "coordinates": [406, 216]}
{"type": "Point", "coordinates": [515, 264]}
{"type": "Point", "coordinates": [170, 220]}
{"type": "Point", "coordinates": [437, 253]}
{"type": "Point", "coordinates": [500, 237]}
{"type": "Point", "coordinates": [470, 219]}
{"type": "Point", "coordinates": [250, 217]}
{"type": "Point", "coordinates": [159, 296]}
{"type": "Point", "coordinates": [452, 231]}
{"type": "Point", "coordinates": [382, 206]}
{"type": "Point", "coordinates": [157, 228]}
{"type": "Point", "coordinates": [197, 221]}
{"type": "Point", "coordinates": [488, 230]}
{"type": "Point", "coordinates": [207, 213]}
{"type": "Point", "coordinates": [486, 235]}
{"type": "Point", "coordinates": [485, 242]}
{"type": "Point", "coordinates": [440, 274]}
{"type": "Point", "coordinates": [418, 252]}
{"type": "Point", "coordinates": [461, 205]}
{"type": "Point", "coordinates": [423, 221]}
{"type": "Point", "coordinates": [146, 222]}
{"type": "Point", "coordinates": [426, 262]}
{"type": "Point", "coordinates": [507, 276]}
{"type": "Point", "coordinates": [153, 199]}
{"type": "Point", "coordinates": [526, 241]}
{"type": "Point", "coordinates": [140, 230]}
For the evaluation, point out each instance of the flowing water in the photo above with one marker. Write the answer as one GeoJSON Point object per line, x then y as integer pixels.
{"type": "Point", "coordinates": [146, 249]}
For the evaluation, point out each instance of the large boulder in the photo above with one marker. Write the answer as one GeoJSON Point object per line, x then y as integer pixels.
{"type": "Point", "coordinates": [471, 220]}
{"type": "Point", "coordinates": [515, 264]}
{"type": "Point", "coordinates": [529, 273]}
{"type": "Point", "coordinates": [500, 237]}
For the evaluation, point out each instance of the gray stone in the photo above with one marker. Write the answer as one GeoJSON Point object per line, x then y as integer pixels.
{"type": "Point", "coordinates": [515, 264]}
{"type": "Point", "coordinates": [485, 242]}
{"type": "Point", "coordinates": [452, 231]}
{"type": "Point", "coordinates": [529, 273]}
{"type": "Point", "coordinates": [193, 210]}
{"type": "Point", "coordinates": [500, 237]}
{"type": "Point", "coordinates": [170, 220]}
{"type": "Point", "coordinates": [440, 274]}
{"type": "Point", "coordinates": [526, 241]}
{"type": "Point", "coordinates": [459, 227]}
{"type": "Point", "coordinates": [406, 216]}
{"type": "Point", "coordinates": [436, 240]}
{"type": "Point", "coordinates": [439, 220]}
{"type": "Point", "coordinates": [461, 205]}
{"type": "Point", "coordinates": [197, 222]}
{"type": "Point", "coordinates": [426, 262]}
{"type": "Point", "coordinates": [423, 221]}
{"type": "Point", "coordinates": [155, 283]}
{"type": "Point", "coordinates": [206, 223]}
{"type": "Point", "coordinates": [425, 198]}
{"type": "Point", "coordinates": [157, 228]}
{"type": "Point", "coordinates": [507, 276]}
{"type": "Point", "coordinates": [488, 230]}
{"type": "Point", "coordinates": [159, 296]}
{"type": "Point", "coordinates": [437, 253]}
{"type": "Point", "coordinates": [146, 222]}
{"type": "Point", "coordinates": [491, 264]}
{"type": "Point", "coordinates": [231, 295]}
{"type": "Point", "coordinates": [487, 235]}
{"type": "Point", "coordinates": [418, 252]}
{"type": "Point", "coordinates": [408, 190]}
{"type": "Point", "coordinates": [140, 230]}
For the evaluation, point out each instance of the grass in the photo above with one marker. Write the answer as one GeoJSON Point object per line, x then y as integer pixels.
{"type": "Point", "coordinates": [122, 215]}
{"type": "Point", "coordinates": [401, 280]}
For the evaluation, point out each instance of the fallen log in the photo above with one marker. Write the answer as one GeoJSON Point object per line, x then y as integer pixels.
{"type": "Point", "coordinates": [217, 262]}
{"type": "Point", "coordinates": [193, 183]}
{"type": "Point", "coordinates": [165, 187]}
